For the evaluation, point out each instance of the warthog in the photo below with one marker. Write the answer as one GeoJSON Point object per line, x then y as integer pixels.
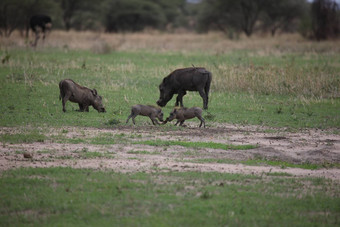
{"type": "Point", "coordinates": [183, 113]}
{"type": "Point", "coordinates": [85, 97]}
{"type": "Point", "coordinates": [182, 80]}
{"type": "Point", "coordinates": [40, 23]}
{"type": "Point", "coordinates": [146, 110]}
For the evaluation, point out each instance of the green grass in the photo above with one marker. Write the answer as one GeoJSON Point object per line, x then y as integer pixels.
{"type": "Point", "coordinates": [246, 89]}
{"type": "Point", "coordinates": [73, 197]}
{"type": "Point", "coordinates": [143, 152]}
{"type": "Point", "coordinates": [294, 90]}
{"type": "Point", "coordinates": [30, 137]}
{"type": "Point", "coordinates": [211, 145]}
{"type": "Point", "coordinates": [108, 139]}
{"type": "Point", "coordinates": [278, 174]}
{"type": "Point", "coordinates": [261, 162]}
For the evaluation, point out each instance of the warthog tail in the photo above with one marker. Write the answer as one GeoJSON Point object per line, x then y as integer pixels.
{"type": "Point", "coordinates": [61, 94]}
{"type": "Point", "coordinates": [207, 85]}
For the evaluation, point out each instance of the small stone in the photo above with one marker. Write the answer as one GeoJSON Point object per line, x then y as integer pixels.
{"type": "Point", "coordinates": [28, 155]}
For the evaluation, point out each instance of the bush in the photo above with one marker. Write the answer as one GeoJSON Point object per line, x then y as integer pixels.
{"type": "Point", "coordinates": [325, 19]}
{"type": "Point", "coordinates": [134, 15]}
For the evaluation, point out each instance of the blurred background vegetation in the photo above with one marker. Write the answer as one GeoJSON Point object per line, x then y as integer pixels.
{"type": "Point", "coordinates": [317, 19]}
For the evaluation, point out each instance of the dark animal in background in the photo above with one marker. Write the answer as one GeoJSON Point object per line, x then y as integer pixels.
{"type": "Point", "coordinates": [85, 97]}
{"type": "Point", "coordinates": [182, 80]}
{"type": "Point", "coordinates": [146, 110]}
{"type": "Point", "coordinates": [40, 24]}
{"type": "Point", "coordinates": [183, 113]}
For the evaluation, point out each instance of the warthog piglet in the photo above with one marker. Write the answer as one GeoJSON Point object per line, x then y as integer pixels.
{"type": "Point", "coordinates": [146, 110]}
{"type": "Point", "coordinates": [183, 113]}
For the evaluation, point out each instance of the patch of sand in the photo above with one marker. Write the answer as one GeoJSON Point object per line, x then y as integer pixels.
{"type": "Point", "coordinates": [305, 146]}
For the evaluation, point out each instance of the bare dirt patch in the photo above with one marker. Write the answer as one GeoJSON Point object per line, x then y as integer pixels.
{"type": "Point", "coordinates": [123, 155]}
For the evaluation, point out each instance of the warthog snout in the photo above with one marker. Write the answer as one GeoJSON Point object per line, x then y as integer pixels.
{"type": "Point", "coordinates": [160, 103]}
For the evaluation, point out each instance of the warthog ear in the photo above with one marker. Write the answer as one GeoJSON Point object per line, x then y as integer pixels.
{"type": "Point", "coordinates": [94, 92]}
{"type": "Point", "coordinates": [165, 80]}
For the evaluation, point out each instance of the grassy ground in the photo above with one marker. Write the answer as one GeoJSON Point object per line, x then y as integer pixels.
{"type": "Point", "coordinates": [87, 197]}
{"type": "Point", "coordinates": [284, 82]}
{"type": "Point", "coordinates": [292, 90]}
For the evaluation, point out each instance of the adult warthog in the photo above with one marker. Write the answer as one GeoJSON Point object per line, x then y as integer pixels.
{"type": "Point", "coordinates": [40, 24]}
{"type": "Point", "coordinates": [85, 97]}
{"type": "Point", "coordinates": [182, 80]}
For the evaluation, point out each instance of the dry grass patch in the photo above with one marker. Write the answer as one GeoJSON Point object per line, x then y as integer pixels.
{"type": "Point", "coordinates": [217, 43]}
{"type": "Point", "coordinates": [287, 80]}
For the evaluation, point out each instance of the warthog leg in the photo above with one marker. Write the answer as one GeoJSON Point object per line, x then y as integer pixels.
{"type": "Point", "coordinates": [132, 115]}
{"type": "Point", "coordinates": [83, 108]}
{"type": "Point", "coordinates": [202, 120]}
{"type": "Point", "coordinates": [65, 99]}
{"type": "Point", "coordinates": [179, 99]}
{"type": "Point", "coordinates": [204, 97]}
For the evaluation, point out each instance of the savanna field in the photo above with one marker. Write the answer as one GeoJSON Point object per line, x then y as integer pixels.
{"type": "Point", "coordinates": [269, 155]}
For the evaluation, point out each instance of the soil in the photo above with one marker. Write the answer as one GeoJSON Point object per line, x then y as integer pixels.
{"type": "Point", "coordinates": [311, 146]}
